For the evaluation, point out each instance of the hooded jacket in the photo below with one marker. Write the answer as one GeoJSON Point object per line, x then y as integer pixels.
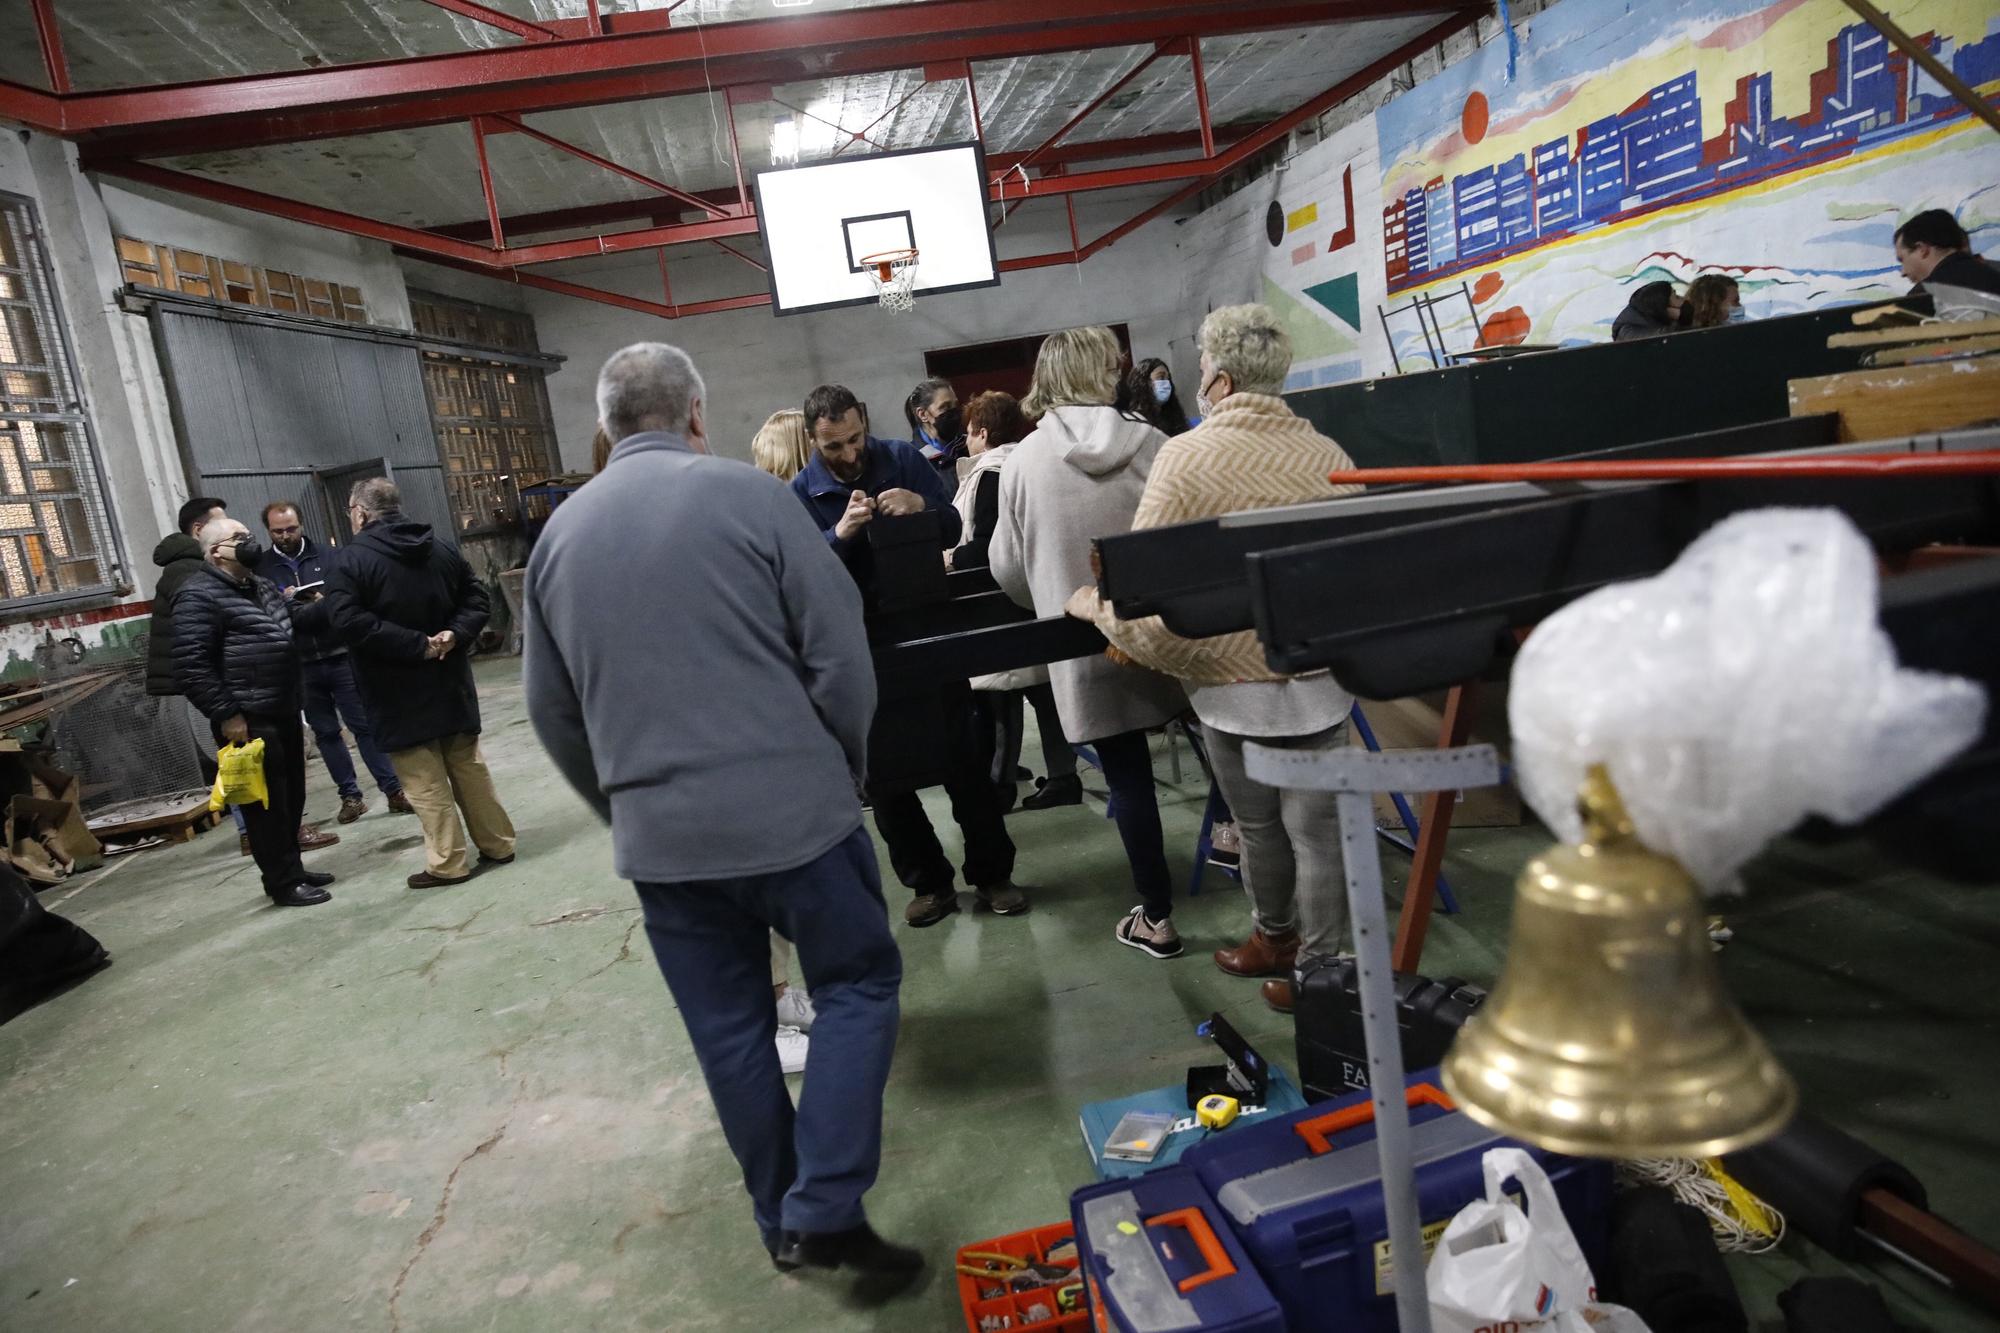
{"type": "Point", "coordinates": [179, 557]}
{"type": "Point", "coordinates": [233, 647]}
{"type": "Point", "coordinates": [396, 584]}
{"type": "Point", "coordinates": [1079, 475]}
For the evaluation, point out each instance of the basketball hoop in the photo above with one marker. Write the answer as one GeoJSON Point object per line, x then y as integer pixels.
{"type": "Point", "coordinates": [895, 274]}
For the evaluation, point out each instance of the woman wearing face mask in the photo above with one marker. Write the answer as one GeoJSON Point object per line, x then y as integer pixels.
{"type": "Point", "coordinates": [1170, 416]}
{"type": "Point", "coordinates": [1712, 299]}
{"type": "Point", "coordinates": [937, 427]}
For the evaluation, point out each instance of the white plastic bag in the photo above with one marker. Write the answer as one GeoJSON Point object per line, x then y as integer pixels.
{"type": "Point", "coordinates": [1746, 686]}
{"type": "Point", "coordinates": [1497, 1269]}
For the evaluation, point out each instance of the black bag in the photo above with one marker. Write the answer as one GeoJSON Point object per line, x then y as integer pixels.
{"type": "Point", "coordinates": [1333, 1054]}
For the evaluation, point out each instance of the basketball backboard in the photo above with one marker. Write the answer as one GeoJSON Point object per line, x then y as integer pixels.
{"type": "Point", "coordinates": [820, 220]}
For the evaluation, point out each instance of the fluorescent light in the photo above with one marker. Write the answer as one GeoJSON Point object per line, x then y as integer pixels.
{"type": "Point", "coordinates": [789, 4]}
{"type": "Point", "coordinates": [785, 141]}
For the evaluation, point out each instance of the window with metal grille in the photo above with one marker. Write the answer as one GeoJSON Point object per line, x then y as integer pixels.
{"type": "Point", "coordinates": [56, 543]}
{"type": "Point", "coordinates": [494, 429]}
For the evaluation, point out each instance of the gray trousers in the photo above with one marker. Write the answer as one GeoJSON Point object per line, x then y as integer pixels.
{"type": "Point", "coordinates": [1292, 867]}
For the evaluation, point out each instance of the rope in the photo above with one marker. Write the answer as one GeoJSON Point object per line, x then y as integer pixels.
{"type": "Point", "coordinates": [1742, 1222]}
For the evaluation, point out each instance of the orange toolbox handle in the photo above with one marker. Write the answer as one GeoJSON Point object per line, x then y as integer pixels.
{"type": "Point", "coordinates": [1319, 1131]}
{"type": "Point", "coordinates": [1195, 1222]}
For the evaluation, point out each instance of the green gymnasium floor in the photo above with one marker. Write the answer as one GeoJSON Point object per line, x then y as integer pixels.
{"type": "Point", "coordinates": [474, 1108]}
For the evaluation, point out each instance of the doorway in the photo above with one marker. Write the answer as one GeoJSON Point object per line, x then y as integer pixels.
{"type": "Point", "coordinates": [331, 487]}
{"type": "Point", "coordinates": [1006, 366]}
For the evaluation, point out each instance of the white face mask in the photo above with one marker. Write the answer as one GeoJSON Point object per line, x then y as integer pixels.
{"type": "Point", "coordinates": [1162, 390]}
{"type": "Point", "coordinates": [1202, 406]}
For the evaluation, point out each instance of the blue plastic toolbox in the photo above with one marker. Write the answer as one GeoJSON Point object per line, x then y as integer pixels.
{"type": "Point", "coordinates": [1303, 1193]}
{"type": "Point", "coordinates": [1157, 1258]}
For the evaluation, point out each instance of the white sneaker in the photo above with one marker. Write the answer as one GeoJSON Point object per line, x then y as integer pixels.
{"type": "Point", "coordinates": [792, 1047]}
{"type": "Point", "coordinates": [795, 1009]}
{"type": "Point", "coordinates": [1158, 939]}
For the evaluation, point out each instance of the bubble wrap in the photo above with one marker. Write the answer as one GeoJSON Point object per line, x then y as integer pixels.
{"type": "Point", "coordinates": [1745, 687]}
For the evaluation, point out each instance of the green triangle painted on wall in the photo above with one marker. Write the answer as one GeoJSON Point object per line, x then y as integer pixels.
{"type": "Point", "coordinates": [1314, 336]}
{"type": "Point", "coordinates": [1342, 296]}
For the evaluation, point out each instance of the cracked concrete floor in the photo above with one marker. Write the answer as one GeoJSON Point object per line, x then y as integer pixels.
{"type": "Point", "coordinates": [474, 1108]}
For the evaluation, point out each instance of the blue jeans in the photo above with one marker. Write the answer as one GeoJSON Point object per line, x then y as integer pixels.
{"type": "Point", "coordinates": [331, 698]}
{"type": "Point", "coordinates": [1127, 761]}
{"type": "Point", "coordinates": [805, 1170]}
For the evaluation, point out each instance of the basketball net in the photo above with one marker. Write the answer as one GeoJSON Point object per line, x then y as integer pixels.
{"type": "Point", "coordinates": [895, 274]}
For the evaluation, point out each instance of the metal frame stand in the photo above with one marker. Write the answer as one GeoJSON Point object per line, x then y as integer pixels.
{"type": "Point", "coordinates": [1355, 776]}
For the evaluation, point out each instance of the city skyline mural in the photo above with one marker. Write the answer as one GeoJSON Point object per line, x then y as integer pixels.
{"type": "Point", "coordinates": [1776, 141]}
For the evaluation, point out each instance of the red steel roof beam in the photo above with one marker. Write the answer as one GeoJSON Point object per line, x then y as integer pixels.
{"type": "Point", "coordinates": [1279, 128]}
{"type": "Point", "coordinates": [486, 182]}
{"type": "Point", "coordinates": [50, 33]}
{"type": "Point", "coordinates": [493, 18]}
{"type": "Point", "coordinates": [693, 201]}
{"type": "Point", "coordinates": [243, 112]}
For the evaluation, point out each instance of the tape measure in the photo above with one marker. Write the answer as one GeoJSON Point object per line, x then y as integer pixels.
{"type": "Point", "coordinates": [1215, 1111]}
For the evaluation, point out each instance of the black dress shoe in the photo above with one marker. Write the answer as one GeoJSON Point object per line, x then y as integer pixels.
{"type": "Point", "coordinates": [1065, 790]}
{"type": "Point", "coordinates": [300, 895]}
{"type": "Point", "coordinates": [506, 860]}
{"type": "Point", "coordinates": [317, 879]}
{"type": "Point", "coordinates": [858, 1248]}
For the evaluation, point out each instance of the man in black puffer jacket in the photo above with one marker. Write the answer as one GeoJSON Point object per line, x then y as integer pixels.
{"type": "Point", "coordinates": [234, 660]}
{"type": "Point", "coordinates": [406, 603]}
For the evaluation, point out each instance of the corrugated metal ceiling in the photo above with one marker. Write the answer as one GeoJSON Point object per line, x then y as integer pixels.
{"type": "Point", "coordinates": [430, 176]}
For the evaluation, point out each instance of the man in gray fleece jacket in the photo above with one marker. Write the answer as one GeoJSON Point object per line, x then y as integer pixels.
{"type": "Point", "coordinates": [697, 668]}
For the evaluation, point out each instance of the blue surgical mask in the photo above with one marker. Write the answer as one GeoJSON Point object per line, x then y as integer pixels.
{"type": "Point", "coordinates": [1737, 316]}
{"type": "Point", "coordinates": [1162, 390]}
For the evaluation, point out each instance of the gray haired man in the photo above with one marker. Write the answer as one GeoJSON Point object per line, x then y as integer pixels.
{"type": "Point", "coordinates": [696, 666]}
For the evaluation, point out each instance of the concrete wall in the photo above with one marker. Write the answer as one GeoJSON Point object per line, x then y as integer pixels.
{"type": "Point", "coordinates": [162, 216]}
{"type": "Point", "coordinates": [755, 363]}
{"type": "Point", "coordinates": [117, 369]}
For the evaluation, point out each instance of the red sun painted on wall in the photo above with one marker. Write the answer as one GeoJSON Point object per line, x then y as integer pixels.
{"type": "Point", "coordinates": [1472, 120]}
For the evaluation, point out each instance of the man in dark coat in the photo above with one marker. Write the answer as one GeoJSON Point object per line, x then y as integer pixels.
{"type": "Point", "coordinates": [179, 557]}
{"type": "Point", "coordinates": [296, 563]}
{"type": "Point", "coordinates": [1933, 250]}
{"type": "Point", "coordinates": [404, 600]}
{"type": "Point", "coordinates": [234, 660]}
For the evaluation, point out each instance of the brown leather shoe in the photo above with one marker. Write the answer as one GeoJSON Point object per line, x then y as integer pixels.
{"type": "Point", "coordinates": [1260, 956]}
{"type": "Point", "coordinates": [243, 844]}
{"type": "Point", "coordinates": [351, 809]}
{"type": "Point", "coordinates": [424, 879]}
{"type": "Point", "coordinates": [399, 804]}
{"type": "Point", "coordinates": [311, 839]}
{"type": "Point", "coordinates": [1278, 994]}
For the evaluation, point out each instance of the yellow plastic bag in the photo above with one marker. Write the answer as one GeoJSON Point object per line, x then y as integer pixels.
{"type": "Point", "coordinates": [239, 778]}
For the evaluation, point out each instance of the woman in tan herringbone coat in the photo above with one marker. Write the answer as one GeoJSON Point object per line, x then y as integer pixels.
{"type": "Point", "coordinates": [1251, 452]}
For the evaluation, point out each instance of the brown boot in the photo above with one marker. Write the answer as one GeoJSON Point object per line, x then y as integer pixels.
{"type": "Point", "coordinates": [1260, 956]}
{"type": "Point", "coordinates": [312, 838]}
{"type": "Point", "coordinates": [351, 809]}
{"type": "Point", "coordinates": [1278, 994]}
{"type": "Point", "coordinates": [399, 804]}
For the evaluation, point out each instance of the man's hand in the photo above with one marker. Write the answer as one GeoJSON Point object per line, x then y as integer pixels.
{"type": "Point", "coordinates": [236, 730]}
{"type": "Point", "coordinates": [860, 510]}
{"type": "Point", "coordinates": [899, 501]}
{"type": "Point", "coordinates": [441, 644]}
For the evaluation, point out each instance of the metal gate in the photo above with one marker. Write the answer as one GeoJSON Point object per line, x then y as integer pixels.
{"type": "Point", "coordinates": [263, 409]}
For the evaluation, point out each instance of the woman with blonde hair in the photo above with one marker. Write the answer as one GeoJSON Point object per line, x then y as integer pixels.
{"type": "Point", "coordinates": [1080, 475]}
{"type": "Point", "coordinates": [782, 447]}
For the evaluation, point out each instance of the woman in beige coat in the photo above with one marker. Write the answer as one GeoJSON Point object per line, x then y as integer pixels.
{"type": "Point", "coordinates": [1079, 475]}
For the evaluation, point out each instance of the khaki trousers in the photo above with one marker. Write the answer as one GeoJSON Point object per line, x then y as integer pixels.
{"type": "Point", "coordinates": [442, 778]}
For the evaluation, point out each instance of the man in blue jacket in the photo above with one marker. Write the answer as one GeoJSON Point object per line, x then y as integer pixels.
{"type": "Point", "coordinates": [293, 561]}
{"type": "Point", "coordinates": [695, 665]}
{"type": "Point", "coordinates": [853, 477]}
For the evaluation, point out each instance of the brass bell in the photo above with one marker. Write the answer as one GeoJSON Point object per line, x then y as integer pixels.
{"type": "Point", "coordinates": [1610, 1033]}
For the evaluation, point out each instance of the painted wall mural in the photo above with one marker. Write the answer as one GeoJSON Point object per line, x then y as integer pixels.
{"type": "Point", "coordinates": [1776, 140]}
{"type": "Point", "coordinates": [1307, 241]}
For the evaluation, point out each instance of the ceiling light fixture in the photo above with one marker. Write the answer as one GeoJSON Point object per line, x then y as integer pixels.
{"type": "Point", "coordinates": [785, 141]}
